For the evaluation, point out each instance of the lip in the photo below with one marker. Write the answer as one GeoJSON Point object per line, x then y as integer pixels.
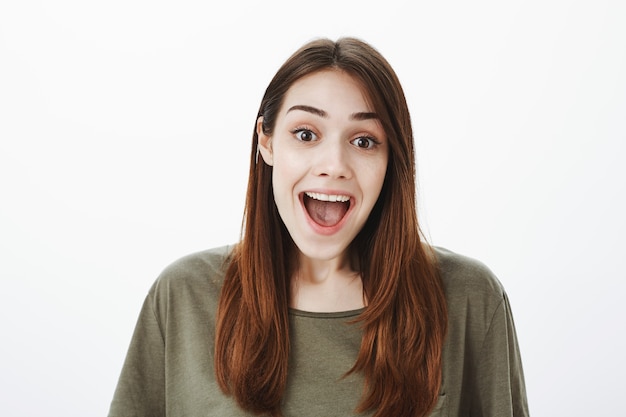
{"type": "Point", "coordinates": [326, 230]}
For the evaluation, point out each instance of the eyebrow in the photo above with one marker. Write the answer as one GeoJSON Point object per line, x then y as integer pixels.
{"type": "Point", "coordinates": [363, 116]}
{"type": "Point", "coordinates": [323, 114]}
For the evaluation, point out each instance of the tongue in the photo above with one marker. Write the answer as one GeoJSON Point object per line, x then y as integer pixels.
{"type": "Point", "coordinates": [325, 213]}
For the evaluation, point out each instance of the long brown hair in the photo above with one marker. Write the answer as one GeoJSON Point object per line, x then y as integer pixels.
{"type": "Point", "coordinates": [405, 321]}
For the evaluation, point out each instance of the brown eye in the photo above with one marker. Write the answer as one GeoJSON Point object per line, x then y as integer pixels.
{"type": "Point", "coordinates": [364, 142]}
{"type": "Point", "coordinates": [305, 135]}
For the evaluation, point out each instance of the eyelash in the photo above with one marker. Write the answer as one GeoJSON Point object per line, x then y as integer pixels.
{"type": "Point", "coordinates": [373, 141]}
{"type": "Point", "coordinates": [299, 130]}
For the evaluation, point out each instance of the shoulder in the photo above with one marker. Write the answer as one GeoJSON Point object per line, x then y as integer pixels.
{"type": "Point", "coordinates": [474, 296]}
{"type": "Point", "coordinates": [464, 275]}
{"type": "Point", "coordinates": [207, 263]}
{"type": "Point", "coordinates": [191, 279]}
{"type": "Point", "coordinates": [473, 293]}
{"type": "Point", "coordinates": [481, 364]}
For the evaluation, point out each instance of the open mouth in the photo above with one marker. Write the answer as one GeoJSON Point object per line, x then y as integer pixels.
{"type": "Point", "coordinates": [326, 209]}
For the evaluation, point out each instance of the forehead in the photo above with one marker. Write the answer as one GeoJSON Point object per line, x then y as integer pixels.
{"type": "Point", "coordinates": [329, 89]}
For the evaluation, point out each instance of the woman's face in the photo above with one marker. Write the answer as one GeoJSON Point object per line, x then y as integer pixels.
{"type": "Point", "coordinates": [329, 155]}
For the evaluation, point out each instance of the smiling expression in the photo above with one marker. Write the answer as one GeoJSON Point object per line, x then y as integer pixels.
{"type": "Point", "coordinates": [329, 155]}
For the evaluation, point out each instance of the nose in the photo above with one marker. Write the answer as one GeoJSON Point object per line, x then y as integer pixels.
{"type": "Point", "coordinates": [332, 160]}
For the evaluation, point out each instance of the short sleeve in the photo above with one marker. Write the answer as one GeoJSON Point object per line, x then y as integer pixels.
{"type": "Point", "coordinates": [141, 387]}
{"type": "Point", "coordinates": [499, 386]}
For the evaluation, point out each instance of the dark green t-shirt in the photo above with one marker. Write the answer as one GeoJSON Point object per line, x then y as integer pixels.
{"type": "Point", "coordinates": [169, 367]}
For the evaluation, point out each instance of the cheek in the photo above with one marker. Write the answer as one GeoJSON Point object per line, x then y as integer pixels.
{"type": "Point", "coordinates": [288, 164]}
{"type": "Point", "coordinates": [285, 174]}
{"type": "Point", "coordinates": [376, 177]}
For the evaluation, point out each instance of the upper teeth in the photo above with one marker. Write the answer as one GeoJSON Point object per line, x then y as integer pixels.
{"type": "Point", "coordinates": [328, 197]}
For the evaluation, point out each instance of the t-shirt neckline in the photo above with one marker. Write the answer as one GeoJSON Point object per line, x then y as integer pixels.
{"type": "Point", "coordinates": [325, 315]}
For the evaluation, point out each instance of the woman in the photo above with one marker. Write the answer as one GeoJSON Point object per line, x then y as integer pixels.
{"type": "Point", "coordinates": [331, 304]}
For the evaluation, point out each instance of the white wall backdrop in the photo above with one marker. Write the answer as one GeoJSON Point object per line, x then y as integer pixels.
{"type": "Point", "coordinates": [124, 137]}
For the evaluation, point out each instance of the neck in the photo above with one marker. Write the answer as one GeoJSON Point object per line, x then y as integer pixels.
{"type": "Point", "coordinates": [326, 286]}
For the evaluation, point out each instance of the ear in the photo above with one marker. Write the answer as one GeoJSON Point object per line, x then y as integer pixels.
{"type": "Point", "coordinates": [264, 144]}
